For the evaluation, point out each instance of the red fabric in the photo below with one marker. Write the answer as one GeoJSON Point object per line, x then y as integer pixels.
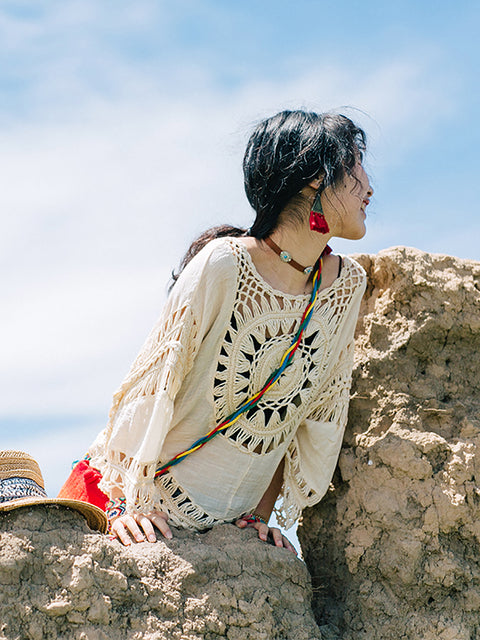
{"type": "Point", "coordinates": [82, 484]}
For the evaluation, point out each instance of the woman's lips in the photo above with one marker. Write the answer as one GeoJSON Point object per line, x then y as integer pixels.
{"type": "Point", "coordinates": [365, 203]}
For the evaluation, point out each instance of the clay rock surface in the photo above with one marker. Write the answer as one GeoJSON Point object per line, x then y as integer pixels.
{"type": "Point", "coordinates": [61, 580]}
{"type": "Point", "coordinates": [394, 548]}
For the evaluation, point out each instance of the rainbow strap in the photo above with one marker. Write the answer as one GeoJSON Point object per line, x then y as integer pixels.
{"type": "Point", "coordinates": [116, 507]}
{"type": "Point", "coordinates": [253, 401]}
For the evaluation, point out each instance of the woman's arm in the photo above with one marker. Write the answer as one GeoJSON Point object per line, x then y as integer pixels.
{"type": "Point", "coordinates": [264, 510]}
{"type": "Point", "coordinates": [128, 450]}
{"type": "Point", "coordinates": [265, 506]}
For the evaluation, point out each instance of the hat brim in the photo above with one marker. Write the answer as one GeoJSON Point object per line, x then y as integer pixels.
{"type": "Point", "coordinates": [96, 518]}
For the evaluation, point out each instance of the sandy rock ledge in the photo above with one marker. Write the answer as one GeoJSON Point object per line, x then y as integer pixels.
{"type": "Point", "coordinates": [60, 580]}
{"type": "Point", "coordinates": [394, 548]}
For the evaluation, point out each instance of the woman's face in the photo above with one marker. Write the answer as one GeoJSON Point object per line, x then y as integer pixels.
{"type": "Point", "coordinates": [344, 205]}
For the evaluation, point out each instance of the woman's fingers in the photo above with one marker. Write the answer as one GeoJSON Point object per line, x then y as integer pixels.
{"type": "Point", "coordinates": [264, 531]}
{"type": "Point", "coordinates": [131, 523]}
{"type": "Point", "coordinates": [281, 541]}
{"type": "Point", "coordinates": [121, 527]}
{"type": "Point", "coordinates": [128, 526]}
{"type": "Point", "coordinates": [159, 519]}
{"type": "Point", "coordinates": [147, 526]}
{"type": "Point", "coordinates": [241, 523]}
{"type": "Point", "coordinates": [288, 545]}
{"type": "Point", "coordinates": [277, 537]}
{"type": "Point", "coordinates": [259, 526]}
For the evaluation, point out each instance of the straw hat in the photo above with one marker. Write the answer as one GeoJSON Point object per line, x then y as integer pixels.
{"type": "Point", "coordinates": [21, 485]}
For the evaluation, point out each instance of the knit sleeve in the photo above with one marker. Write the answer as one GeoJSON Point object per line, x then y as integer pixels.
{"type": "Point", "coordinates": [128, 450]}
{"type": "Point", "coordinates": [312, 455]}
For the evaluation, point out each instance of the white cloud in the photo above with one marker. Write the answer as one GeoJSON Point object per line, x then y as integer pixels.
{"type": "Point", "coordinates": [99, 200]}
{"type": "Point", "coordinates": [114, 161]}
{"type": "Point", "coordinates": [98, 209]}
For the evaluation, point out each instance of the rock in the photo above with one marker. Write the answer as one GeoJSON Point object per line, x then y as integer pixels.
{"type": "Point", "coordinates": [393, 549]}
{"type": "Point", "coordinates": [60, 580]}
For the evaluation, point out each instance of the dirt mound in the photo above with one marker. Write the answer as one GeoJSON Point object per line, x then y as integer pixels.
{"type": "Point", "coordinates": [394, 548]}
{"type": "Point", "coordinates": [60, 580]}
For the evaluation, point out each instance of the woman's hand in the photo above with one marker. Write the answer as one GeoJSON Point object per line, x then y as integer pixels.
{"type": "Point", "coordinates": [264, 531]}
{"type": "Point", "coordinates": [139, 527]}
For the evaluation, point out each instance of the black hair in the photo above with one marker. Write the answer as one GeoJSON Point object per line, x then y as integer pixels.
{"type": "Point", "coordinates": [291, 149]}
{"type": "Point", "coordinates": [285, 153]}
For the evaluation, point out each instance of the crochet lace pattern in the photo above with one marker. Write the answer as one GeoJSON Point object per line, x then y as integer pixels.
{"type": "Point", "coordinates": [260, 331]}
{"type": "Point", "coordinates": [313, 389]}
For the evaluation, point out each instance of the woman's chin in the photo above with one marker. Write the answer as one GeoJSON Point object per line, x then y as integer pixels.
{"type": "Point", "coordinates": [355, 234]}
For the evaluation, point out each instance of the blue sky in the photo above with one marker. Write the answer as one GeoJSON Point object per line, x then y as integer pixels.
{"type": "Point", "coordinates": [122, 128]}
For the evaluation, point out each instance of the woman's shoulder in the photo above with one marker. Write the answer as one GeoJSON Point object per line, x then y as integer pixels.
{"type": "Point", "coordinates": [217, 254]}
{"type": "Point", "coordinates": [352, 263]}
{"type": "Point", "coordinates": [213, 266]}
{"type": "Point", "coordinates": [353, 271]}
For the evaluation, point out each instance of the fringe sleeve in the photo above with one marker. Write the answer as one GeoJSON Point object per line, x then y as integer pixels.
{"type": "Point", "coordinates": [127, 451]}
{"type": "Point", "coordinates": [312, 455]}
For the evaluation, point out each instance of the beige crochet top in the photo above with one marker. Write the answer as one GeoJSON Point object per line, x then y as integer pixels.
{"type": "Point", "coordinates": [221, 334]}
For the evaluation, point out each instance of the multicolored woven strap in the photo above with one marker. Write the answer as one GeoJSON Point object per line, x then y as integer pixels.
{"type": "Point", "coordinates": [115, 508]}
{"type": "Point", "coordinates": [254, 400]}
{"type": "Point", "coordinates": [253, 518]}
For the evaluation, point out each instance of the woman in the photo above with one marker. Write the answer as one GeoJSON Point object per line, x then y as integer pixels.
{"type": "Point", "coordinates": [229, 319]}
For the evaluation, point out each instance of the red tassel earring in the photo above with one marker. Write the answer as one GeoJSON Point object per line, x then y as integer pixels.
{"type": "Point", "coordinates": [317, 217]}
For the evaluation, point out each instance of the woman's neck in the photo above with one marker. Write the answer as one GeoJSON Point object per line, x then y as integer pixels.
{"type": "Point", "coordinates": [302, 244]}
{"type": "Point", "coordinates": [305, 246]}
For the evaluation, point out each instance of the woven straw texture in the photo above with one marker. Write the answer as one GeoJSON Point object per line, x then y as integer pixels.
{"type": "Point", "coordinates": [21, 465]}
{"type": "Point", "coordinates": [17, 464]}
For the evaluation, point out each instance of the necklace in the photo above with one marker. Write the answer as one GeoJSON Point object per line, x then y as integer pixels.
{"type": "Point", "coordinates": [286, 257]}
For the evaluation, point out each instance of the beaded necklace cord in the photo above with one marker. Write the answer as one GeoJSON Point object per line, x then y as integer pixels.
{"type": "Point", "coordinates": [254, 400]}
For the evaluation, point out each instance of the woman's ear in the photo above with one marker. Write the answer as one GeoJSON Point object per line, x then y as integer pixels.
{"type": "Point", "coordinates": [315, 184]}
